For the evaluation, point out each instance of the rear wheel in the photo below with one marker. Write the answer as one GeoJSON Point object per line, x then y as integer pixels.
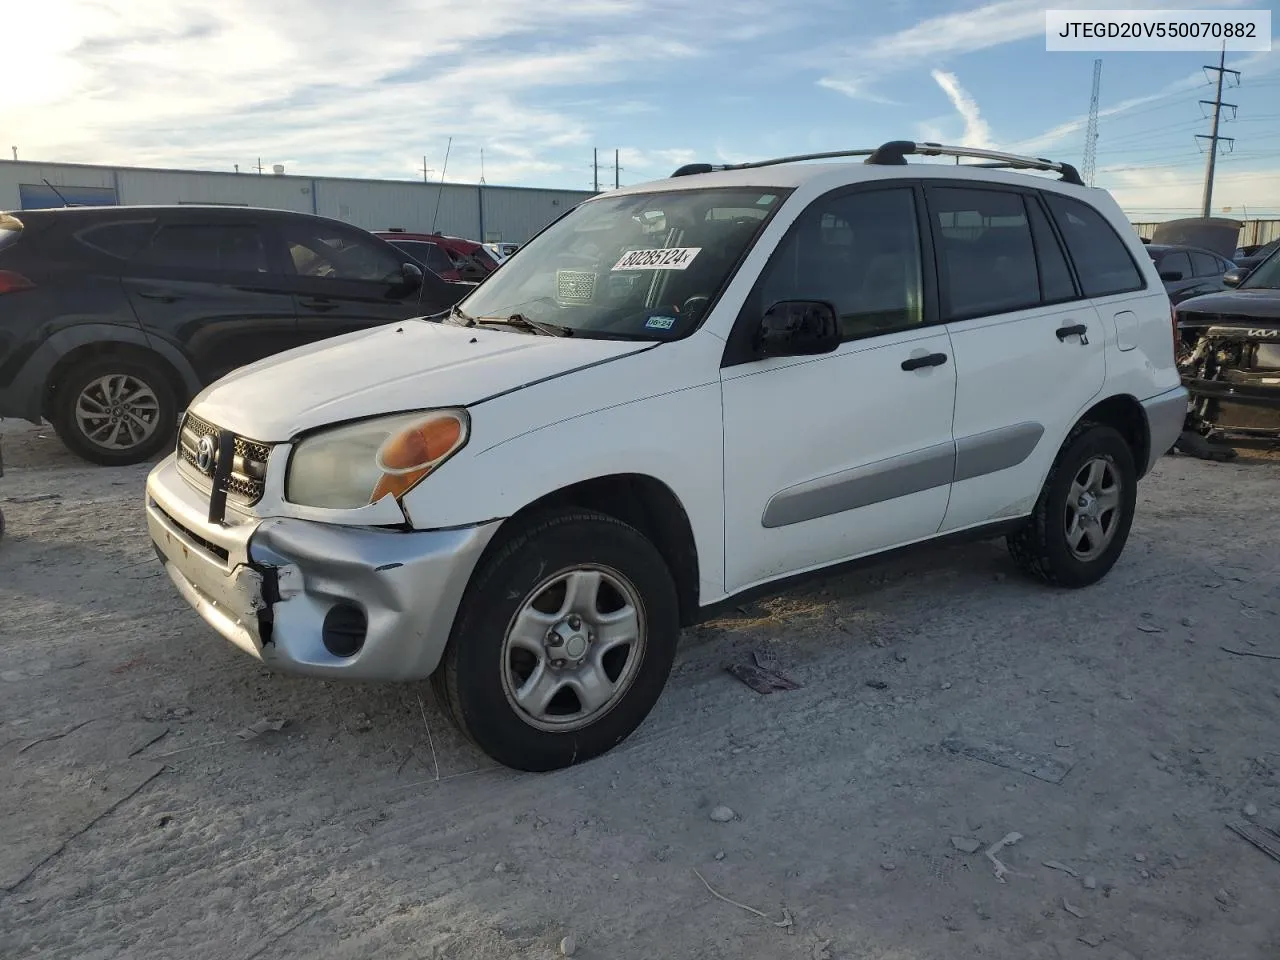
{"type": "Point", "coordinates": [563, 644]}
{"type": "Point", "coordinates": [115, 411]}
{"type": "Point", "coordinates": [1082, 519]}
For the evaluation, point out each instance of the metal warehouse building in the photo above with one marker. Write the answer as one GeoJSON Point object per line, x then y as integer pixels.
{"type": "Point", "coordinates": [475, 211]}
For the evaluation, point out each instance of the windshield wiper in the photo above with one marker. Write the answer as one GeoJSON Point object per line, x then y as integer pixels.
{"type": "Point", "coordinates": [536, 326]}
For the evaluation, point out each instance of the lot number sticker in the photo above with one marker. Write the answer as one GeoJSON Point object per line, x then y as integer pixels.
{"type": "Point", "coordinates": [668, 258]}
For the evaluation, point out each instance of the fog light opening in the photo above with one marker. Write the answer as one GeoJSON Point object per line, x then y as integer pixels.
{"type": "Point", "coordinates": [344, 630]}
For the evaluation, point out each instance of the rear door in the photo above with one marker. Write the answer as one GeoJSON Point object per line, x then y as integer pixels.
{"type": "Point", "coordinates": [344, 279]}
{"type": "Point", "coordinates": [211, 286]}
{"type": "Point", "coordinates": [1029, 349]}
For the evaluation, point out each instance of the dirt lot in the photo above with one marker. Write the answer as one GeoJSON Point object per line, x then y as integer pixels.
{"type": "Point", "coordinates": [147, 828]}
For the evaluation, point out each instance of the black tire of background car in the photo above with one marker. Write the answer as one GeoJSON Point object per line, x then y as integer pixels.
{"type": "Point", "coordinates": [468, 682]}
{"type": "Point", "coordinates": [80, 376]}
{"type": "Point", "coordinates": [1040, 548]}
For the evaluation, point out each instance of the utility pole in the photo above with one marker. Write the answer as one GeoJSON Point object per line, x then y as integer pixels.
{"type": "Point", "coordinates": [482, 164]}
{"type": "Point", "coordinates": [616, 169]}
{"type": "Point", "coordinates": [259, 165]}
{"type": "Point", "coordinates": [595, 169]}
{"type": "Point", "coordinates": [426, 170]}
{"type": "Point", "coordinates": [1212, 137]}
{"type": "Point", "coordinates": [1091, 133]}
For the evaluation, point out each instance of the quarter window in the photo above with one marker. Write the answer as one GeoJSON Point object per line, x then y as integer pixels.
{"type": "Point", "coordinates": [1206, 264]}
{"type": "Point", "coordinates": [987, 258]}
{"type": "Point", "coordinates": [1102, 260]}
{"type": "Point", "coordinates": [861, 253]}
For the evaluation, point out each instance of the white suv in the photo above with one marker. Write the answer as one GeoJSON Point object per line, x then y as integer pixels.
{"type": "Point", "coordinates": [678, 393]}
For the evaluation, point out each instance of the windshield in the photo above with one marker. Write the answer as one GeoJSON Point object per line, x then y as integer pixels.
{"type": "Point", "coordinates": [1265, 275]}
{"type": "Point", "coordinates": [644, 266]}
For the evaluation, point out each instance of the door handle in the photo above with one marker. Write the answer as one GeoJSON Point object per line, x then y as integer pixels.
{"type": "Point", "coordinates": [1076, 329]}
{"type": "Point", "coordinates": [162, 297]}
{"type": "Point", "coordinates": [317, 303]}
{"type": "Point", "coordinates": [928, 360]}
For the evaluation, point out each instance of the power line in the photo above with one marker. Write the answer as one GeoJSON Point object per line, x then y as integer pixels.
{"type": "Point", "coordinates": [1213, 137]}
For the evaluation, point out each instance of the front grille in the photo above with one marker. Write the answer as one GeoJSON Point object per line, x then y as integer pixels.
{"type": "Point", "coordinates": [248, 467]}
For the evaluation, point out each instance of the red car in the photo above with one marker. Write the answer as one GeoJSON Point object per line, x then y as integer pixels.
{"type": "Point", "coordinates": [453, 258]}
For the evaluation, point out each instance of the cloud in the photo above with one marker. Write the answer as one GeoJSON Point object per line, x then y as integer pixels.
{"type": "Point", "coordinates": [189, 83]}
{"type": "Point", "coordinates": [949, 35]}
{"type": "Point", "coordinates": [976, 131]}
{"type": "Point", "coordinates": [1165, 191]}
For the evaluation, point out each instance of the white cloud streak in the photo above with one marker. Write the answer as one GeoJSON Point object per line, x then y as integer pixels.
{"type": "Point", "coordinates": [976, 131]}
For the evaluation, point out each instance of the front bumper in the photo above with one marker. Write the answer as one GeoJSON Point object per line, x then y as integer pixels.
{"type": "Point", "coordinates": [1166, 414]}
{"type": "Point", "coordinates": [269, 585]}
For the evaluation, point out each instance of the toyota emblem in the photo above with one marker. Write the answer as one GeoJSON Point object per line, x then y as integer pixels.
{"type": "Point", "coordinates": [204, 454]}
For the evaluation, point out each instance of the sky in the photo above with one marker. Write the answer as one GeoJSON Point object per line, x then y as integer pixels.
{"type": "Point", "coordinates": [333, 88]}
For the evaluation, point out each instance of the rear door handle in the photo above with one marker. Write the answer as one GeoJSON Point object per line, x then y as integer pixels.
{"type": "Point", "coordinates": [1076, 329]}
{"type": "Point", "coordinates": [320, 304]}
{"type": "Point", "coordinates": [162, 297]}
{"type": "Point", "coordinates": [928, 360]}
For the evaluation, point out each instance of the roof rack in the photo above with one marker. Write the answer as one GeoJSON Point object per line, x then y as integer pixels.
{"type": "Point", "coordinates": [895, 153]}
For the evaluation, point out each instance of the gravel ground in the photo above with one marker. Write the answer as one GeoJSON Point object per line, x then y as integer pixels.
{"type": "Point", "coordinates": [365, 827]}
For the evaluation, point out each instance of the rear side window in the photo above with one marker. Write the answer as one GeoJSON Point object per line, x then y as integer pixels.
{"type": "Point", "coordinates": [1206, 264]}
{"type": "Point", "coordinates": [1056, 285]}
{"type": "Point", "coordinates": [1177, 263]}
{"type": "Point", "coordinates": [987, 256]}
{"type": "Point", "coordinates": [1102, 260]}
{"type": "Point", "coordinates": [236, 248]}
{"type": "Point", "coordinates": [121, 239]}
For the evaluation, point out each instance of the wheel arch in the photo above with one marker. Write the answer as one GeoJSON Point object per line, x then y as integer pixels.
{"type": "Point", "coordinates": [637, 499]}
{"type": "Point", "coordinates": [71, 347]}
{"type": "Point", "coordinates": [1124, 413]}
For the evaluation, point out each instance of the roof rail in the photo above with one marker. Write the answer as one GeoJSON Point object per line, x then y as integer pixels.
{"type": "Point", "coordinates": [895, 153]}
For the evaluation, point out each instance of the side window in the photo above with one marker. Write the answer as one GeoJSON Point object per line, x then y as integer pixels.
{"type": "Point", "coordinates": [233, 247]}
{"type": "Point", "coordinates": [859, 252]}
{"type": "Point", "coordinates": [1205, 264]}
{"type": "Point", "coordinates": [986, 256]}
{"type": "Point", "coordinates": [1176, 263]}
{"type": "Point", "coordinates": [318, 250]}
{"type": "Point", "coordinates": [437, 260]}
{"type": "Point", "coordinates": [1056, 285]}
{"type": "Point", "coordinates": [121, 238]}
{"type": "Point", "coordinates": [1102, 260]}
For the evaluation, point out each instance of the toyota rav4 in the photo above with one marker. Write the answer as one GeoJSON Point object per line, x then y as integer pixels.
{"type": "Point", "coordinates": [679, 393]}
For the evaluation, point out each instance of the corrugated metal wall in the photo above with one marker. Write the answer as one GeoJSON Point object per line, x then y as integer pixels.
{"type": "Point", "coordinates": [479, 212]}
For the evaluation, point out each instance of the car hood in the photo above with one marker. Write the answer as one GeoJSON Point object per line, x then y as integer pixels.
{"type": "Point", "coordinates": [1261, 304]}
{"type": "Point", "coordinates": [415, 364]}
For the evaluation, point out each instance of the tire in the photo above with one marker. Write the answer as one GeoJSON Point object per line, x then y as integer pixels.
{"type": "Point", "coordinates": [1043, 548]}
{"type": "Point", "coordinates": [92, 386]}
{"type": "Point", "coordinates": [487, 663]}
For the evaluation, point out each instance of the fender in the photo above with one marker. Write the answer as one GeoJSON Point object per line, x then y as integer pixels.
{"type": "Point", "coordinates": [26, 393]}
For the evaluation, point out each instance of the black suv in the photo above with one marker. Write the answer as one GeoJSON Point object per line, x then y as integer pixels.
{"type": "Point", "coordinates": [113, 318]}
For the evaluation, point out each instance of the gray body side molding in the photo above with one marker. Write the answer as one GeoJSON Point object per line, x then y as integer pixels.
{"type": "Point", "coordinates": [900, 476]}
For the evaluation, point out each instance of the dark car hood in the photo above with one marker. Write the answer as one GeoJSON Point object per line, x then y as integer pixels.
{"type": "Point", "coordinates": [1212, 233]}
{"type": "Point", "coordinates": [1247, 305]}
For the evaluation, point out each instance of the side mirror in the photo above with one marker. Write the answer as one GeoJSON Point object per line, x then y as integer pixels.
{"type": "Point", "coordinates": [1232, 278]}
{"type": "Point", "coordinates": [412, 274]}
{"type": "Point", "coordinates": [1170, 276]}
{"type": "Point", "coordinates": [792, 328]}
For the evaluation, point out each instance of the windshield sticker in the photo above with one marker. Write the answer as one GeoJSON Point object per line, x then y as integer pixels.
{"type": "Point", "coordinates": [669, 258]}
{"type": "Point", "coordinates": [660, 323]}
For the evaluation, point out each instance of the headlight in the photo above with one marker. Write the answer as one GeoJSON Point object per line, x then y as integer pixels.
{"type": "Point", "coordinates": [360, 463]}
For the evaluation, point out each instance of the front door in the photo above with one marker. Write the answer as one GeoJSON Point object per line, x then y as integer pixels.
{"type": "Point", "coordinates": [832, 457]}
{"type": "Point", "coordinates": [211, 286]}
{"type": "Point", "coordinates": [345, 280]}
{"type": "Point", "coordinates": [1030, 349]}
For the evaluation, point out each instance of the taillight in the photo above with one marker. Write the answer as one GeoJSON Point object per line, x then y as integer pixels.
{"type": "Point", "coordinates": [11, 282]}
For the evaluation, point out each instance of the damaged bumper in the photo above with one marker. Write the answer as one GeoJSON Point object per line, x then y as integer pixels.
{"type": "Point", "coordinates": [1233, 377]}
{"type": "Point", "coordinates": [314, 598]}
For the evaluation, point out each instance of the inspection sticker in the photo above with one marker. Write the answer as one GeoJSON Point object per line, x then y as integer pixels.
{"type": "Point", "coordinates": [668, 258]}
{"type": "Point", "coordinates": [660, 323]}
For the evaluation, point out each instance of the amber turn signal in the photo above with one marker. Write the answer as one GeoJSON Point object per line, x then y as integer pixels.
{"type": "Point", "coordinates": [405, 458]}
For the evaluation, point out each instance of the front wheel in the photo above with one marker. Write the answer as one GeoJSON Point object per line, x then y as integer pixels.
{"type": "Point", "coordinates": [1082, 519]}
{"type": "Point", "coordinates": [563, 643]}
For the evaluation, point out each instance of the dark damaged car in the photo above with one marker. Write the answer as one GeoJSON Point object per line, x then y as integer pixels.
{"type": "Point", "coordinates": [1229, 359]}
